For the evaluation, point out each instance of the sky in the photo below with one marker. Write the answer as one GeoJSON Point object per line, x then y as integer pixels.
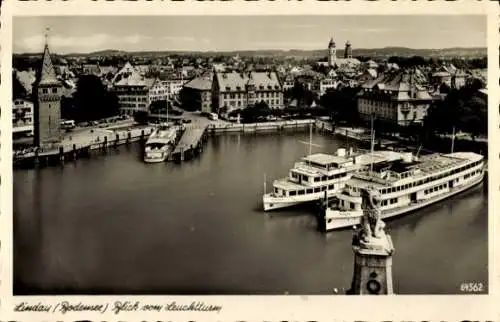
{"type": "Point", "coordinates": [84, 34]}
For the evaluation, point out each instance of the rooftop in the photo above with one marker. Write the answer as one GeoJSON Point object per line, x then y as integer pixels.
{"type": "Point", "coordinates": [324, 159]}
{"type": "Point", "coordinates": [234, 81]}
{"type": "Point", "coordinates": [200, 83]}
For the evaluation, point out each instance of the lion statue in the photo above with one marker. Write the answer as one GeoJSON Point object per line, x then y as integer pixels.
{"type": "Point", "coordinates": [372, 225]}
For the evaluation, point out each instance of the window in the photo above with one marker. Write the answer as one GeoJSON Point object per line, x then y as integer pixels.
{"type": "Point", "coordinates": [293, 193]}
{"type": "Point", "coordinates": [317, 189]}
{"type": "Point", "coordinates": [301, 192]}
{"type": "Point", "coordinates": [54, 90]}
{"type": "Point", "coordinates": [45, 90]}
{"type": "Point", "coordinates": [310, 190]}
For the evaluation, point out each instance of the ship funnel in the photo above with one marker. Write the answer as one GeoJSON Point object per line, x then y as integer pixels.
{"type": "Point", "coordinates": [341, 152]}
{"type": "Point", "coordinates": [407, 157]}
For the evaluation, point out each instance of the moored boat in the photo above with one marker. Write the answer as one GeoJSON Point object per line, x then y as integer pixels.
{"type": "Point", "coordinates": [403, 186]}
{"type": "Point", "coordinates": [160, 143]}
{"type": "Point", "coordinates": [318, 174]}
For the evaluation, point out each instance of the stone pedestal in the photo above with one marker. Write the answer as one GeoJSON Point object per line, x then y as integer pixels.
{"type": "Point", "coordinates": [372, 266]}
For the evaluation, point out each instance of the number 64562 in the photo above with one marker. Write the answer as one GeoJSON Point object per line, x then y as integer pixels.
{"type": "Point", "coordinates": [471, 287]}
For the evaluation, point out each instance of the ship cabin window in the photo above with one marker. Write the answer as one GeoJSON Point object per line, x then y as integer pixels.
{"type": "Point", "coordinates": [292, 193]}
{"type": "Point", "coordinates": [300, 192]}
{"type": "Point", "coordinates": [331, 187]}
{"type": "Point", "coordinates": [384, 203]}
{"type": "Point", "coordinates": [305, 178]}
{"type": "Point", "coordinates": [393, 201]}
{"type": "Point", "coordinates": [276, 190]}
{"type": "Point", "coordinates": [317, 179]}
{"type": "Point", "coordinates": [310, 190]}
{"type": "Point", "coordinates": [317, 189]}
{"type": "Point", "coordinates": [323, 188]}
{"type": "Point", "coordinates": [294, 175]}
{"type": "Point", "coordinates": [352, 205]}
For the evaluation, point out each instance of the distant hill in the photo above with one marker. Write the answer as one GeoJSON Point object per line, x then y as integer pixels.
{"type": "Point", "coordinates": [297, 53]}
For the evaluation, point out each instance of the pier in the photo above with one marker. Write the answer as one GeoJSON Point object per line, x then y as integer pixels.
{"type": "Point", "coordinates": [190, 143]}
{"type": "Point", "coordinates": [82, 144]}
{"type": "Point", "coordinates": [260, 127]}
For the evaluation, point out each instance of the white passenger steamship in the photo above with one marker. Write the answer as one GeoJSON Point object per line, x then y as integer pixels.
{"type": "Point", "coordinates": [405, 184]}
{"type": "Point", "coordinates": [318, 174]}
{"type": "Point", "coordinates": [160, 143]}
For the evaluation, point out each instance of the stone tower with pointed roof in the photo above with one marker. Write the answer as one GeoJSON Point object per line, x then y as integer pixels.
{"type": "Point", "coordinates": [47, 94]}
{"type": "Point", "coordinates": [332, 53]}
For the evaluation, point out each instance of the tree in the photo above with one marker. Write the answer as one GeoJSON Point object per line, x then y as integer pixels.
{"type": "Point", "coordinates": [18, 90]}
{"type": "Point", "coordinates": [92, 101]}
{"type": "Point", "coordinates": [141, 117]}
{"type": "Point", "coordinates": [341, 104]}
{"type": "Point", "coordinates": [255, 112]}
{"type": "Point", "coordinates": [462, 109]}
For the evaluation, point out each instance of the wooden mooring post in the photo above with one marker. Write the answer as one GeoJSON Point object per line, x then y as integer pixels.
{"type": "Point", "coordinates": [61, 155]}
{"type": "Point", "coordinates": [105, 143]}
{"type": "Point", "coordinates": [129, 136]}
{"type": "Point", "coordinates": [117, 138]}
{"type": "Point", "coordinates": [37, 159]}
{"type": "Point", "coordinates": [74, 152]}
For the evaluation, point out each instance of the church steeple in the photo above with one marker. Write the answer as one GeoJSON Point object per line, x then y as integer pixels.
{"type": "Point", "coordinates": [332, 53]}
{"type": "Point", "coordinates": [47, 74]}
{"type": "Point", "coordinates": [47, 96]}
{"type": "Point", "coordinates": [331, 44]}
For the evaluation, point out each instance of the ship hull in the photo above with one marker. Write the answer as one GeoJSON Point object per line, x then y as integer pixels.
{"type": "Point", "coordinates": [331, 222]}
{"type": "Point", "coordinates": [273, 203]}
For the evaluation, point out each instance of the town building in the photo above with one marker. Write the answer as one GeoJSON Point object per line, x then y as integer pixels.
{"type": "Point", "coordinates": [394, 97]}
{"type": "Point", "coordinates": [288, 82]}
{"type": "Point", "coordinates": [23, 118]}
{"type": "Point", "coordinates": [135, 93]}
{"type": "Point", "coordinates": [326, 84]}
{"type": "Point", "coordinates": [47, 110]}
{"type": "Point", "coordinates": [239, 90]}
{"type": "Point", "coordinates": [197, 94]}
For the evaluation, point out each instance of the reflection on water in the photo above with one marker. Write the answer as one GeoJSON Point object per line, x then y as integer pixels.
{"type": "Point", "coordinates": [116, 225]}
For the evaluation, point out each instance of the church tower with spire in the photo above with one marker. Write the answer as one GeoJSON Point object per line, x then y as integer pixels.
{"type": "Point", "coordinates": [348, 50]}
{"type": "Point", "coordinates": [332, 53]}
{"type": "Point", "coordinates": [47, 92]}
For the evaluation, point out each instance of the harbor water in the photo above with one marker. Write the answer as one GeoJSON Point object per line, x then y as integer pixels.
{"type": "Point", "coordinates": [115, 225]}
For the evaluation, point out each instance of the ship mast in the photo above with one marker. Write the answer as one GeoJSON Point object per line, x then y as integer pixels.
{"type": "Point", "coordinates": [310, 138]}
{"type": "Point", "coordinates": [453, 140]}
{"type": "Point", "coordinates": [372, 143]}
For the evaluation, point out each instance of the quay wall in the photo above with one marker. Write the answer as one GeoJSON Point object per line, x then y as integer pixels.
{"type": "Point", "coordinates": [436, 144]}
{"type": "Point", "coordinates": [259, 127]}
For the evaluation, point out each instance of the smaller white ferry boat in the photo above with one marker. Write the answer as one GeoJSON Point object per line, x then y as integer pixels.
{"type": "Point", "coordinates": [403, 185]}
{"type": "Point", "coordinates": [160, 143]}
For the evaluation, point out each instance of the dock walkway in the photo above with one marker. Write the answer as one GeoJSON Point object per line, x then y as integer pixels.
{"type": "Point", "coordinates": [191, 140]}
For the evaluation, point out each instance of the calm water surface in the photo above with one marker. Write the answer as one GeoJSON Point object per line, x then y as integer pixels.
{"type": "Point", "coordinates": [112, 224]}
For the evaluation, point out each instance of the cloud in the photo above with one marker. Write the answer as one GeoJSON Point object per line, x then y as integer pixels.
{"type": "Point", "coordinates": [180, 38]}
{"type": "Point", "coordinates": [296, 26]}
{"type": "Point", "coordinates": [135, 39]}
{"type": "Point", "coordinates": [77, 43]}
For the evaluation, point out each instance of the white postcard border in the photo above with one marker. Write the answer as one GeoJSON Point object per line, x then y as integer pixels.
{"type": "Point", "coordinates": [257, 308]}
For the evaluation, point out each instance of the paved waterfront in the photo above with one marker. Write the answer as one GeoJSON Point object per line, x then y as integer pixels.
{"type": "Point", "coordinates": [115, 224]}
